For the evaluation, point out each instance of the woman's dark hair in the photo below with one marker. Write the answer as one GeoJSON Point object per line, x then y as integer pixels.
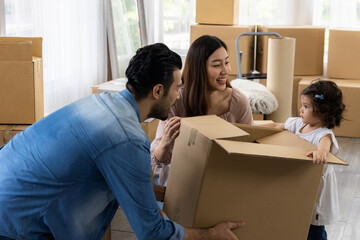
{"type": "Point", "coordinates": [327, 102]}
{"type": "Point", "coordinates": [196, 85]}
{"type": "Point", "coordinates": [151, 65]}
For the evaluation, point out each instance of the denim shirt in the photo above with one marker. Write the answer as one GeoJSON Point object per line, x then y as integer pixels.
{"type": "Point", "coordinates": [65, 175]}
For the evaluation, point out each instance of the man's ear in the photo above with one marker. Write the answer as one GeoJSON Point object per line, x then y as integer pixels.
{"type": "Point", "coordinates": [158, 91]}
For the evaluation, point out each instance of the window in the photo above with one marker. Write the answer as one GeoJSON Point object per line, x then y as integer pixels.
{"type": "Point", "coordinates": [17, 14]}
{"type": "Point", "coordinates": [126, 31]}
{"type": "Point", "coordinates": [178, 16]}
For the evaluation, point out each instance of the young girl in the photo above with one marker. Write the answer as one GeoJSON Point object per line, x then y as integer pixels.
{"type": "Point", "coordinates": [322, 110]}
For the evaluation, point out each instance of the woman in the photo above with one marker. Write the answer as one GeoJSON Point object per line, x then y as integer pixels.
{"type": "Point", "coordinates": [205, 92]}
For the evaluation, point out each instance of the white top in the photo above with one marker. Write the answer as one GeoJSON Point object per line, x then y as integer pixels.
{"type": "Point", "coordinates": [327, 203]}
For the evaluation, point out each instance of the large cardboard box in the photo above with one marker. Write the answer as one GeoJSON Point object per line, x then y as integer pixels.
{"type": "Point", "coordinates": [350, 127]}
{"type": "Point", "coordinates": [224, 12]}
{"type": "Point", "coordinates": [228, 34]}
{"type": "Point", "coordinates": [309, 50]}
{"type": "Point", "coordinates": [9, 131]}
{"type": "Point", "coordinates": [21, 71]}
{"type": "Point", "coordinates": [344, 54]}
{"type": "Point", "coordinates": [224, 172]}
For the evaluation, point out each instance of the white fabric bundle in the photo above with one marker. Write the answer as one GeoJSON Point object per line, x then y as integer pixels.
{"type": "Point", "coordinates": [261, 99]}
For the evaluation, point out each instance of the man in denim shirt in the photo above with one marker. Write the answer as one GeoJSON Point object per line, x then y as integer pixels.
{"type": "Point", "coordinates": [64, 176]}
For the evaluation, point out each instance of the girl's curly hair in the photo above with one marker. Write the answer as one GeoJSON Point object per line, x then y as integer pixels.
{"type": "Point", "coordinates": [327, 101]}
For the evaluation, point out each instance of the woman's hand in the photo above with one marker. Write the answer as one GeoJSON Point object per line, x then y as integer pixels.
{"type": "Point", "coordinates": [171, 131]}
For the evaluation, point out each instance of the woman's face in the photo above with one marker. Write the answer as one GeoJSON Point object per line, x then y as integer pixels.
{"type": "Point", "coordinates": [218, 68]}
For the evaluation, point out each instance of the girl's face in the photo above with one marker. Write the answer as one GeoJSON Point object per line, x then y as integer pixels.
{"type": "Point", "coordinates": [218, 68]}
{"type": "Point", "coordinates": [307, 112]}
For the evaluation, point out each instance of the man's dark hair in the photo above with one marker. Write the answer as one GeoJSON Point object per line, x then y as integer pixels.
{"type": "Point", "coordinates": [151, 65]}
{"type": "Point", "coordinates": [327, 102]}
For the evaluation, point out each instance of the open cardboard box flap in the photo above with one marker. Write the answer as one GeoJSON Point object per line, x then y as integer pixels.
{"type": "Point", "coordinates": [273, 143]}
{"type": "Point", "coordinates": [212, 127]}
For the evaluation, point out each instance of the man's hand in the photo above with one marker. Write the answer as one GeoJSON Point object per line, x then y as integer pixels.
{"type": "Point", "coordinates": [221, 231]}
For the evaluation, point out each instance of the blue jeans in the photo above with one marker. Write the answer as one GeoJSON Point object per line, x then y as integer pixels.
{"type": "Point", "coordinates": [317, 233]}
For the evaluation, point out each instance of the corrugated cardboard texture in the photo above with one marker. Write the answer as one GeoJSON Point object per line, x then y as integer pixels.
{"type": "Point", "coordinates": [271, 187]}
{"type": "Point", "coordinates": [224, 12]}
{"type": "Point", "coordinates": [344, 54]}
{"type": "Point", "coordinates": [15, 51]}
{"type": "Point", "coordinates": [21, 92]}
{"type": "Point", "coordinates": [17, 92]}
{"type": "Point", "coordinates": [309, 51]}
{"type": "Point", "coordinates": [274, 197]}
{"type": "Point", "coordinates": [351, 99]}
{"type": "Point", "coordinates": [228, 34]}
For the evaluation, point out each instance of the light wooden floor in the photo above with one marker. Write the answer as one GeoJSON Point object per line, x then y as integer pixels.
{"type": "Point", "coordinates": [348, 227]}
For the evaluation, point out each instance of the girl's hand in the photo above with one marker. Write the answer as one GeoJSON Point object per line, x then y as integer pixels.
{"type": "Point", "coordinates": [318, 156]}
{"type": "Point", "coordinates": [171, 131]}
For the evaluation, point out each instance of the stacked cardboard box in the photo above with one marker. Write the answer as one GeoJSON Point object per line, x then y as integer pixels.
{"type": "Point", "coordinates": [343, 58]}
{"type": "Point", "coordinates": [241, 172]}
{"type": "Point", "coordinates": [21, 92]}
{"type": "Point", "coordinates": [309, 49]}
{"type": "Point", "coordinates": [220, 19]}
{"type": "Point", "coordinates": [344, 54]}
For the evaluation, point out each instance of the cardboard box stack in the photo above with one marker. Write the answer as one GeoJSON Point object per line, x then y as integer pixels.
{"type": "Point", "coordinates": [21, 92]}
{"type": "Point", "coordinates": [309, 49]}
{"type": "Point", "coordinates": [241, 172]}
{"type": "Point", "coordinates": [343, 57]}
{"type": "Point", "coordinates": [344, 54]}
{"type": "Point", "coordinates": [220, 19]}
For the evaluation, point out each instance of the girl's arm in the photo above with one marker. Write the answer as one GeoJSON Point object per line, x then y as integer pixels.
{"type": "Point", "coordinates": [320, 155]}
{"type": "Point", "coordinates": [274, 125]}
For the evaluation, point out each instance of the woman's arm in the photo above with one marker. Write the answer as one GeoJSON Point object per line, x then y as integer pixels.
{"type": "Point", "coordinates": [161, 147]}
